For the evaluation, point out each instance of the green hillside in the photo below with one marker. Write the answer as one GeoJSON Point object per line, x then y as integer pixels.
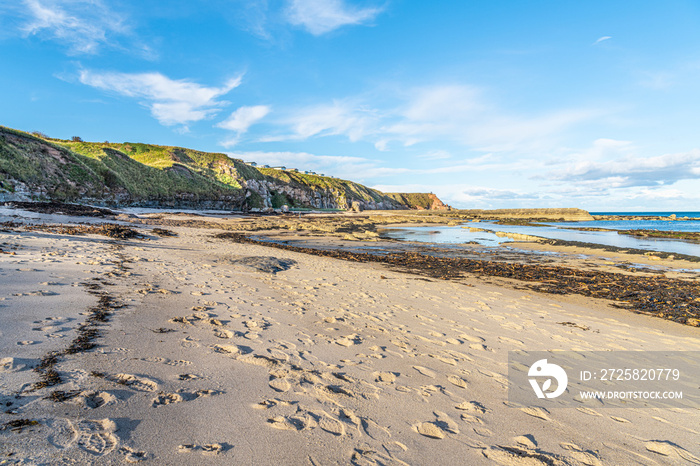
{"type": "Point", "coordinates": [33, 166]}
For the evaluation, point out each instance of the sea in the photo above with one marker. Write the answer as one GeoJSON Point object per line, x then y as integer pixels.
{"type": "Point", "coordinates": [567, 231]}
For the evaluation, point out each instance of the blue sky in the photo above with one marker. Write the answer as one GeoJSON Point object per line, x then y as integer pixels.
{"type": "Point", "coordinates": [488, 104]}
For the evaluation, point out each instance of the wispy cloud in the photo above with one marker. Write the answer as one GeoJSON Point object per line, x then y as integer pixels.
{"type": "Point", "coordinates": [172, 102]}
{"type": "Point", "coordinates": [362, 168]}
{"type": "Point", "coordinates": [602, 39]}
{"type": "Point", "coordinates": [82, 25]}
{"type": "Point", "coordinates": [242, 119]}
{"type": "Point", "coordinates": [475, 197]}
{"type": "Point", "coordinates": [342, 117]}
{"type": "Point", "coordinates": [455, 113]}
{"type": "Point", "coordinates": [632, 170]}
{"type": "Point", "coordinates": [322, 16]}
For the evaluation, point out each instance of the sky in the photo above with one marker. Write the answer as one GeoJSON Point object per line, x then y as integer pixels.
{"type": "Point", "coordinates": [486, 103]}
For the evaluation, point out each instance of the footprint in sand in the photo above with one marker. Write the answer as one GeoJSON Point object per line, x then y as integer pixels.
{"type": "Point", "coordinates": [371, 457]}
{"type": "Point", "coordinates": [223, 333]}
{"type": "Point", "coordinates": [438, 428]}
{"type": "Point", "coordinates": [331, 425]}
{"type": "Point", "coordinates": [472, 407]}
{"type": "Point", "coordinates": [385, 377]}
{"type": "Point", "coordinates": [589, 411]}
{"type": "Point", "coordinates": [27, 342]}
{"type": "Point", "coordinates": [133, 456]}
{"type": "Point", "coordinates": [189, 342]}
{"type": "Point", "coordinates": [212, 449]}
{"type": "Point", "coordinates": [179, 363]}
{"type": "Point", "coordinates": [95, 399]}
{"type": "Point", "coordinates": [539, 413]}
{"type": "Point", "coordinates": [457, 381]}
{"type": "Point", "coordinates": [621, 420]}
{"type": "Point", "coordinates": [63, 434]}
{"type": "Point", "coordinates": [446, 423]}
{"type": "Point", "coordinates": [231, 350]}
{"type": "Point", "coordinates": [587, 457]}
{"type": "Point", "coordinates": [206, 449]}
{"type": "Point", "coordinates": [425, 371]}
{"type": "Point", "coordinates": [155, 359]}
{"type": "Point", "coordinates": [280, 384]}
{"type": "Point", "coordinates": [10, 365]}
{"type": "Point", "coordinates": [429, 429]}
{"type": "Point", "coordinates": [97, 437]}
{"type": "Point", "coordinates": [670, 450]}
{"type": "Point", "coordinates": [515, 455]}
{"type": "Point", "coordinates": [166, 399]}
{"type": "Point", "coordinates": [141, 384]}
{"type": "Point", "coordinates": [527, 441]}
{"type": "Point", "coordinates": [296, 422]}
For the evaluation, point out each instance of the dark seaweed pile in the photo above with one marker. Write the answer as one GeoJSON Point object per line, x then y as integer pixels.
{"type": "Point", "coordinates": [54, 207]}
{"type": "Point", "coordinates": [105, 229]}
{"type": "Point", "coordinates": [673, 299]}
{"type": "Point", "coordinates": [88, 332]}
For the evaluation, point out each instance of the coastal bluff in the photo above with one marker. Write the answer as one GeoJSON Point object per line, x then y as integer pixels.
{"type": "Point", "coordinates": [35, 167]}
{"type": "Point", "coordinates": [419, 201]}
{"type": "Point", "coordinates": [565, 215]}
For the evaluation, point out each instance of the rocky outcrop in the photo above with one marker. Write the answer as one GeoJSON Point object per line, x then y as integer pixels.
{"type": "Point", "coordinates": [419, 201]}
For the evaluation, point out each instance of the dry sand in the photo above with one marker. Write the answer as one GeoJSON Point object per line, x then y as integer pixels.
{"type": "Point", "coordinates": [232, 353]}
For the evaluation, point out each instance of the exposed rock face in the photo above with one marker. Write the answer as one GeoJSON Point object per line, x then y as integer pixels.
{"type": "Point", "coordinates": [271, 194]}
{"type": "Point", "coordinates": [134, 174]}
{"type": "Point", "coordinates": [419, 201]}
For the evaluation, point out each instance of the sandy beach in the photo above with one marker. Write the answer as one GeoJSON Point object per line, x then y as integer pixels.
{"type": "Point", "coordinates": [191, 349]}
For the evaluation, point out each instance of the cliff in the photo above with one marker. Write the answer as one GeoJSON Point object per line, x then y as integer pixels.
{"type": "Point", "coordinates": [34, 167]}
{"type": "Point", "coordinates": [419, 201]}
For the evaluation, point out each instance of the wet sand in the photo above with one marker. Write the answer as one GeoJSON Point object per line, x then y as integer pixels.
{"type": "Point", "coordinates": [217, 352]}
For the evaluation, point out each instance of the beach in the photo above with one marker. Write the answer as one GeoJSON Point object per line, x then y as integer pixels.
{"type": "Point", "coordinates": [184, 347]}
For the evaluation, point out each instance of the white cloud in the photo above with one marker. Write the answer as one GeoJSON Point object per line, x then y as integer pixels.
{"type": "Point", "coordinates": [171, 101]}
{"type": "Point", "coordinates": [361, 168]}
{"type": "Point", "coordinates": [321, 16]}
{"type": "Point", "coordinates": [602, 39]}
{"type": "Point", "coordinates": [242, 119]}
{"type": "Point", "coordinates": [339, 118]}
{"type": "Point", "coordinates": [444, 103]}
{"type": "Point", "coordinates": [632, 170]}
{"type": "Point", "coordinates": [464, 196]}
{"type": "Point", "coordinates": [455, 113]}
{"type": "Point", "coordinates": [82, 25]}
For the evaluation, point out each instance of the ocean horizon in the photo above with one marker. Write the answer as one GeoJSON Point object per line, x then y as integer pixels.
{"type": "Point", "coordinates": [677, 213]}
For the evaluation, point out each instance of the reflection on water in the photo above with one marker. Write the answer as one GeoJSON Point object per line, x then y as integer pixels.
{"type": "Point", "coordinates": [443, 235]}
{"type": "Point", "coordinates": [452, 235]}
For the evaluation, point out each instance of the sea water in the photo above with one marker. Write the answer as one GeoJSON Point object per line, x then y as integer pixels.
{"type": "Point", "coordinates": [566, 231]}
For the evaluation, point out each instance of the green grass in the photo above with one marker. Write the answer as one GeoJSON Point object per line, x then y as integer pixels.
{"type": "Point", "coordinates": [136, 172]}
{"type": "Point", "coordinates": [422, 200]}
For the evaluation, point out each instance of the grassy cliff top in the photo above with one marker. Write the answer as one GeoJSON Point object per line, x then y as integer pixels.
{"type": "Point", "coordinates": [75, 169]}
